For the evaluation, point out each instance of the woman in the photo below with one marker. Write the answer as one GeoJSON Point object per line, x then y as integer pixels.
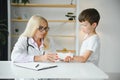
{"type": "Point", "coordinates": [31, 44]}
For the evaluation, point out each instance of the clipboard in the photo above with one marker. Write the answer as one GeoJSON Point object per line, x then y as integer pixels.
{"type": "Point", "coordinates": [36, 66]}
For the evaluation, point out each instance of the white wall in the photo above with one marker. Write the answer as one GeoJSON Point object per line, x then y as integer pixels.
{"type": "Point", "coordinates": [109, 28]}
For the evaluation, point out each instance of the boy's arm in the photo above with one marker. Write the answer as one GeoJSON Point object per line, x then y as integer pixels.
{"type": "Point", "coordinates": [84, 57]}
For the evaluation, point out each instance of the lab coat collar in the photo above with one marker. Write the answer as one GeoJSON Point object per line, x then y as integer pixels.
{"type": "Point", "coordinates": [32, 42]}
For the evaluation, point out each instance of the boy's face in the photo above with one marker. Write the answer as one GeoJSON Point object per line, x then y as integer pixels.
{"type": "Point", "coordinates": [86, 27]}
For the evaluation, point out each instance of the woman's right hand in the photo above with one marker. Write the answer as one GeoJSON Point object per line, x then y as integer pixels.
{"type": "Point", "coordinates": [46, 57]}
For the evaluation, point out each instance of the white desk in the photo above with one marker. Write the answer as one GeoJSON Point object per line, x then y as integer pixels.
{"type": "Point", "coordinates": [64, 70]}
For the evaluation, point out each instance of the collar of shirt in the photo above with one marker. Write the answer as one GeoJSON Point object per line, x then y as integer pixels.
{"type": "Point", "coordinates": [33, 43]}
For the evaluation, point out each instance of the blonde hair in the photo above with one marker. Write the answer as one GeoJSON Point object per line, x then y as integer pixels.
{"type": "Point", "coordinates": [32, 25]}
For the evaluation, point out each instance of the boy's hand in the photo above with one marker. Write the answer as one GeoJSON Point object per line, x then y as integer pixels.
{"type": "Point", "coordinates": [52, 57]}
{"type": "Point", "coordinates": [68, 59]}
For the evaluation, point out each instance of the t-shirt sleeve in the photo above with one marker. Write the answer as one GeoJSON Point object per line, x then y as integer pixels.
{"type": "Point", "coordinates": [93, 44]}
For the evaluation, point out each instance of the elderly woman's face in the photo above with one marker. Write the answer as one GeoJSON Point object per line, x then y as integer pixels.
{"type": "Point", "coordinates": [42, 30]}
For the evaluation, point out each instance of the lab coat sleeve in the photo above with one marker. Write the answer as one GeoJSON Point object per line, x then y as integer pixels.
{"type": "Point", "coordinates": [19, 53]}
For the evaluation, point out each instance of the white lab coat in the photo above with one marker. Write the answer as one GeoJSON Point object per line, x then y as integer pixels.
{"type": "Point", "coordinates": [20, 52]}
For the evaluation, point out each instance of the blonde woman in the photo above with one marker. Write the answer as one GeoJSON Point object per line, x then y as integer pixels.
{"type": "Point", "coordinates": [31, 44]}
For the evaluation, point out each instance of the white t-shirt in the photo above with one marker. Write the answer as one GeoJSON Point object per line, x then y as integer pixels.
{"type": "Point", "coordinates": [93, 44]}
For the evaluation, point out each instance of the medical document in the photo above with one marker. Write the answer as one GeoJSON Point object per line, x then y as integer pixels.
{"type": "Point", "coordinates": [36, 66]}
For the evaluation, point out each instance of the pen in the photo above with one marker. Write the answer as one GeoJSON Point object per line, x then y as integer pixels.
{"type": "Point", "coordinates": [48, 67]}
{"type": "Point", "coordinates": [36, 65]}
{"type": "Point", "coordinates": [43, 52]}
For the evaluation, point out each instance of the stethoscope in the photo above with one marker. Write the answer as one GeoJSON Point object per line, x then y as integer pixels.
{"type": "Point", "coordinates": [29, 45]}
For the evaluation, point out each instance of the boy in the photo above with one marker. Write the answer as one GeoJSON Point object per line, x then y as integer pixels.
{"type": "Point", "coordinates": [90, 48]}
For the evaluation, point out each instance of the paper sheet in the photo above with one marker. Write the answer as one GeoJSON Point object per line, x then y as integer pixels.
{"type": "Point", "coordinates": [36, 66]}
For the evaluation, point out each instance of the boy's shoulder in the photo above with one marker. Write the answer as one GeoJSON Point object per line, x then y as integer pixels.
{"type": "Point", "coordinates": [95, 36]}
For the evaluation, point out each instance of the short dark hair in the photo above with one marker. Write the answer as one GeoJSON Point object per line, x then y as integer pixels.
{"type": "Point", "coordinates": [91, 15]}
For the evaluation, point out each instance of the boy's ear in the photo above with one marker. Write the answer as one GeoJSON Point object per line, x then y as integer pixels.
{"type": "Point", "coordinates": [94, 24]}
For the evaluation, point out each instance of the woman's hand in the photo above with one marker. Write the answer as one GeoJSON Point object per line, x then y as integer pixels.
{"type": "Point", "coordinates": [47, 57]}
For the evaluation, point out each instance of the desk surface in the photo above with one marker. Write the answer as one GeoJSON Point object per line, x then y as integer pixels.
{"type": "Point", "coordinates": [64, 70]}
